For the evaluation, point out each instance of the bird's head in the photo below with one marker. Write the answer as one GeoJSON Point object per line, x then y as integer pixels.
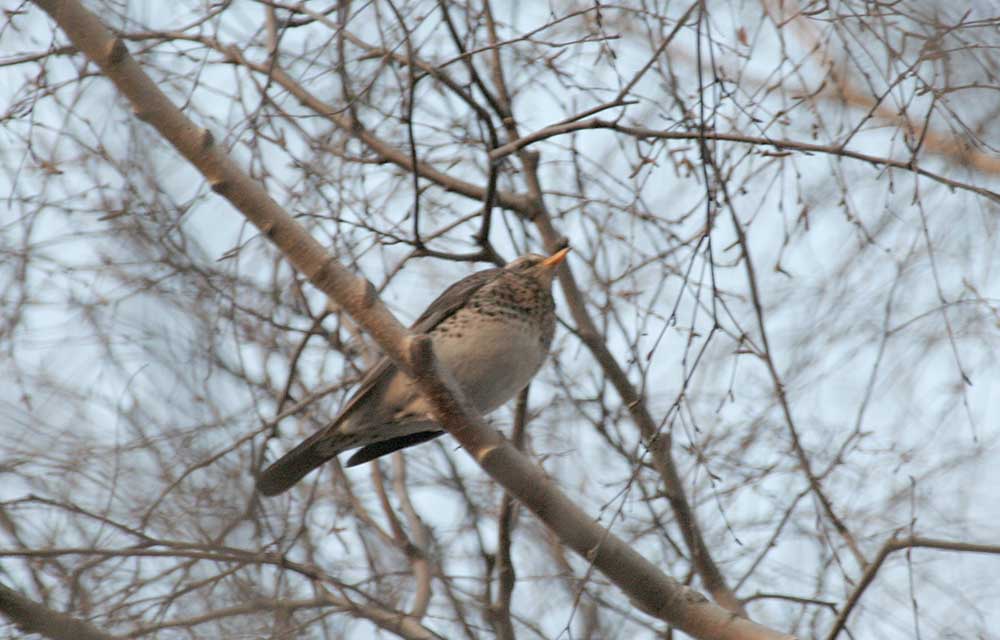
{"type": "Point", "coordinates": [539, 267]}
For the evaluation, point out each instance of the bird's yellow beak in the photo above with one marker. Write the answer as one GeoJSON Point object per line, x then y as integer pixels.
{"type": "Point", "coordinates": [556, 258]}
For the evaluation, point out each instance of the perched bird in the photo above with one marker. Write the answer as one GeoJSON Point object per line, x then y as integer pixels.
{"type": "Point", "coordinates": [492, 330]}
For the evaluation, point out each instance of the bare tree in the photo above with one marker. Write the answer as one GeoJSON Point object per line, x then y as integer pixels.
{"type": "Point", "coordinates": [774, 379]}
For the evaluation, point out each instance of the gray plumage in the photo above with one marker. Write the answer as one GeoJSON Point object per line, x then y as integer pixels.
{"type": "Point", "coordinates": [492, 330]}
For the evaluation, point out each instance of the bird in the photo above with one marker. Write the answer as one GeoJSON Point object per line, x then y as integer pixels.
{"type": "Point", "coordinates": [491, 329]}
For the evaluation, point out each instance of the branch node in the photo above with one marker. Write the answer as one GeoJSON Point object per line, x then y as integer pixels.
{"type": "Point", "coordinates": [207, 140]}
{"type": "Point", "coordinates": [368, 295]}
{"type": "Point", "coordinates": [117, 52]}
{"type": "Point", "coordinates": [219, 186]}
{"type": "Point", "coordinates": [482, 453]}
{"type": "Point", "coordinates": [232, 54]}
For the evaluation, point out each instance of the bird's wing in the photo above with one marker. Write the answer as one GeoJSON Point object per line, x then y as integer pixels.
{"type": "Point", "coordinates": [379, 449]}
{"type": "Point", "coordinates": [316, 449]}
{"type": "Point", "coordinates": [453, 298]}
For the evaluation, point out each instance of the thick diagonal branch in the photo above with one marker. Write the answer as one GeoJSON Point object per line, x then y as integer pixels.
{"type": "Point", "coordinates": [32, 617]}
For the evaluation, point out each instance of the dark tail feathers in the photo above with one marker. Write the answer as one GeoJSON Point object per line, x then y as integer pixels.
{"type": "Point", "coordinates": [317, 449]}
{"type": "Point", "coordinates": [292, 467]}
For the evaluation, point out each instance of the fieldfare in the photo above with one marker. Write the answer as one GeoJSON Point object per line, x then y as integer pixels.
{"type": "Point", "coordinates": [492, 330]}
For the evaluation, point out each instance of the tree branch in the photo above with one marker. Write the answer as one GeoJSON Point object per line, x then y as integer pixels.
{"type": "Point", "coordinates": [644, 133]}
{"type": "Point", "coordinates": [31, 617]}
{"type": "Point", "coordinates": [896, 544]}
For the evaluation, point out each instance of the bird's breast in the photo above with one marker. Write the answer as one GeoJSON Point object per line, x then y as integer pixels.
{"type": "Point", "coordinates": [491, 357]}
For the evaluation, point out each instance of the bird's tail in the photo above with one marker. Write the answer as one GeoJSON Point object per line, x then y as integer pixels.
{"type": "Point", "coordinates": [294, 465]}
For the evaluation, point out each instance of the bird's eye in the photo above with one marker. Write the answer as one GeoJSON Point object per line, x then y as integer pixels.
{"type": "Point", "coordinates": [524, 263]}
